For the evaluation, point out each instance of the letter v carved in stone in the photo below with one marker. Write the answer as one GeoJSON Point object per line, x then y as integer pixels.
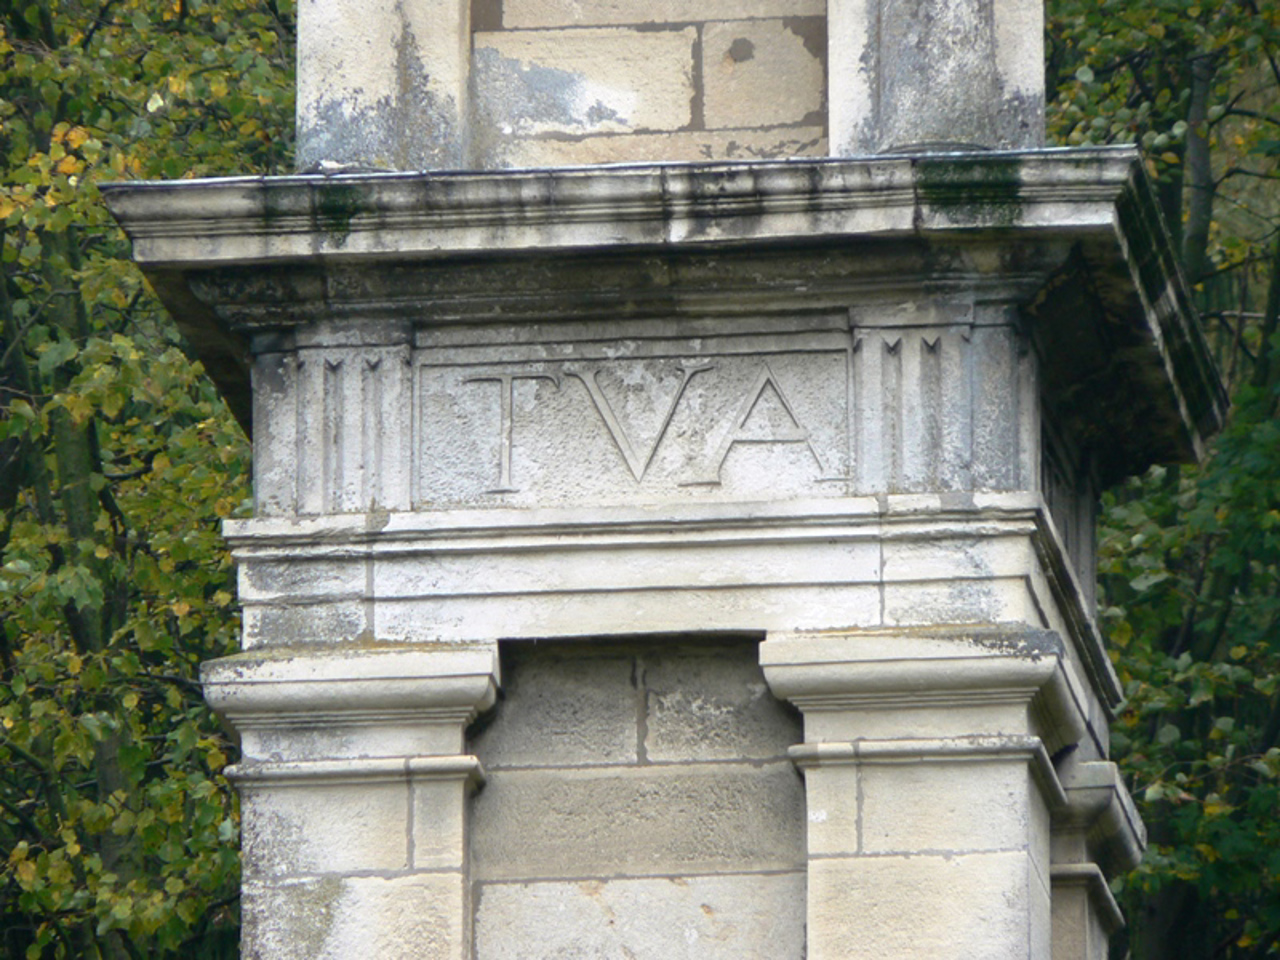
{"type": "Point", "coordinates": [637, 463]}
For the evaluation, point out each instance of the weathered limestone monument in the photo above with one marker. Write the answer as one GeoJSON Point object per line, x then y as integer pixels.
{"type": "Point", "coordinates": [677, 433]}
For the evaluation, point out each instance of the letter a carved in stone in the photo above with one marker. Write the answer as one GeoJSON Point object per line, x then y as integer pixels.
{"type": "Point", "coordinates": [738, 434]}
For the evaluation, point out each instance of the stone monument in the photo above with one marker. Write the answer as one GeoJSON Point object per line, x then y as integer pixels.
{"type": "Point", "coordinates": [677, 434]}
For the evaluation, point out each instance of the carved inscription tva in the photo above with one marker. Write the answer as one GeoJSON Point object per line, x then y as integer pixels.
{"type": "Point", "coordinates": [785, 428]}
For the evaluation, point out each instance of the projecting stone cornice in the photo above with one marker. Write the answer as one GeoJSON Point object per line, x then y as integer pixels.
{"type": "Point", "coordinates": [414, 215]}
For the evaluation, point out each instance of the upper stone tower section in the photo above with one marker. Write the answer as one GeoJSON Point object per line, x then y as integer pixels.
{"type": "Point", "coordinates": [501, 84]}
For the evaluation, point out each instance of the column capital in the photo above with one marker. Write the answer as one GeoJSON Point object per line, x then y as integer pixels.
{"type": "Point", "coordinates": [955, 682]}
{"type": "Point", "coordinates": [347, 701]}
{"type": "Point", "coordinates": [1100, 807]}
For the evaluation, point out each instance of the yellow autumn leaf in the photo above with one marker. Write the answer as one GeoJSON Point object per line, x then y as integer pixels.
{"type": "Point", "coordinates": [27, 874]}
{"type": "Point", "coordinates": [74, 665]}
{"type": "Point", "coordinates": [181, 608]}
{"type": "Point", "coordinates": [130, 700]}
{"type": "Point", "coordinates": [1206, 851]}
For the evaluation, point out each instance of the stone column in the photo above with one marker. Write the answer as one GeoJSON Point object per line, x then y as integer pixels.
{"type": "Point", "coordinates": [354, 790]}
{"type": "Point", "coordinates": [930, 787]}
{"type": "Point", "coordinates": [911, 76]}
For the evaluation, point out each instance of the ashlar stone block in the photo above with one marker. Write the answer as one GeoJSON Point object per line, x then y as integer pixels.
{"type": "Point", "coordinates": [317, 828]}
{"type": "Point", "coordinates": [727, 917]}
{"type": "Point", "coordinates": [971, 907]}
{"type": "Point", "coordinates": [608, 79]}
{"type": "Point", "coordinates": [657, 820]}
{"type": "Point", "coordinates": [376, 918]}
{"type": "Point", "coordinates": [545, 13]}
{"type": "Point", "coordinates": [761, 73]}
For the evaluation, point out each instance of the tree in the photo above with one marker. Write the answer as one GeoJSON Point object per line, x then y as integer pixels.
{"type": "Point", "coordinates": [117, 459]}
{"type": "Point", "coordinates": [1190, 558]}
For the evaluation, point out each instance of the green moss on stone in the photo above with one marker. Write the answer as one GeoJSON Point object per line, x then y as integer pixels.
{"type": "Point", "coordinates": [983, 191]}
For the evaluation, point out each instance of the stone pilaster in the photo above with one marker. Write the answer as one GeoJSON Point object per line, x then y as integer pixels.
{"type": "Point", "coordinates": [935, 75]}
{"type": "Point", "coordinates": [354, 791]}
{"type": "Point", "coordinates": [1097, 836]}
{"type": "Point", "coordinates": [930, 787]}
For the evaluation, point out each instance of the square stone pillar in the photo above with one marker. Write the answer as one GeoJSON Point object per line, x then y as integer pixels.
{"type": "Point", "coordinates": [354, 796]}
{"type": "Point", "coordinates": [1098, 834]}
{"type": "Point", "coordinates": [930, 787]}
{"type": "Point", "coordinates": [858, 408]}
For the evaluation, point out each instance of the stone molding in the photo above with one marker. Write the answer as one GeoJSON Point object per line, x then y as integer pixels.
{"type": "Point", "coordinates": [406, 216]}
{"type": "Point", "coordinates": [363, 771]}
{"type": "Point", "coordinates": [1094, 881]}
{"type": "Point", "coordinates": [1029, 750]}
{"type": "Point", "coordinates": [1100, 807]}
{"type": "Point", "coordinates": [950, 680]}
{"type": "Point", "coordinates": [548, 572]}
{"type": "Point", "coordinates": [355, 705]}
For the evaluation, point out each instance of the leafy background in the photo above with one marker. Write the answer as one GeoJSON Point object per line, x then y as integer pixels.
{"type": "Point", "coordinates": [118, 459]}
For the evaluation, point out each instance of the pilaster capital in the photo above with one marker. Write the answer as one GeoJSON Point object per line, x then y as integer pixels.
{"type": "Point", "coordinates": [1100, 806]}
{"type": "Point", "coordinates": [952, 682]}
{"type": "Point", "coordinates": [348, 701]}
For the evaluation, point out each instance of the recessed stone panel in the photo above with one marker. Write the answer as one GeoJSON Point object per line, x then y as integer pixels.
{"type": "Point", "coordinates": [573, 705]}
{"type": "Point", "coordinates": [687, 918]}
{"type": "Point", "coordinates": [712, 703]}
{"type": "Point", "coordinates": [630, 428]}
{"type": "Point", "coordinates": [639, 821]}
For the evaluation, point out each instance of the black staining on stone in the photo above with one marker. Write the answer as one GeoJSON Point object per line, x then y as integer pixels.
{"type": "Point", "coordinates": [486, 15]}
{"type": "Point", "coordinates": [335, 205]}
{"type": "Point", "coordinates": [415, 127]}
{"type": "Point", "coordinates": [598, 112]}
{"type": "Point", "coordinates": [812, 31]}
{"type": "Point", "coordinates": [976, 190]}
{"type": "Point", "coordinates": [697, 101]}
{"type": "Point", "coordinates": [742, 50]}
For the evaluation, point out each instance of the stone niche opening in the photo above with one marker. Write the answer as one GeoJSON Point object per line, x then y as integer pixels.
{"type": "Point", "coordinates": [639, 802]}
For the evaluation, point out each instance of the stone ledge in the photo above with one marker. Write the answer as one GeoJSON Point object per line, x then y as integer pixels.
{"type": "Point", "coordinates": [918, 679]}
{"type": "Point", "coordinates": [1088, 875]}
{"type": "Point", "coordinates": [1100, 806]}
{"type": "Point", "coordinates": [965, 749]}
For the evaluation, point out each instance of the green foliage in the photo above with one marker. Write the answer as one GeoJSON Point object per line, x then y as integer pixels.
{"type": "Point", "coordinates": [117, 460]}
{"type": "Point", "coordinates": [1190, 558]}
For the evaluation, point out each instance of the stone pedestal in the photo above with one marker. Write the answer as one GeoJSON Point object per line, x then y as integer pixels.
{"type": "Point", "coordinates": [853, 414]}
